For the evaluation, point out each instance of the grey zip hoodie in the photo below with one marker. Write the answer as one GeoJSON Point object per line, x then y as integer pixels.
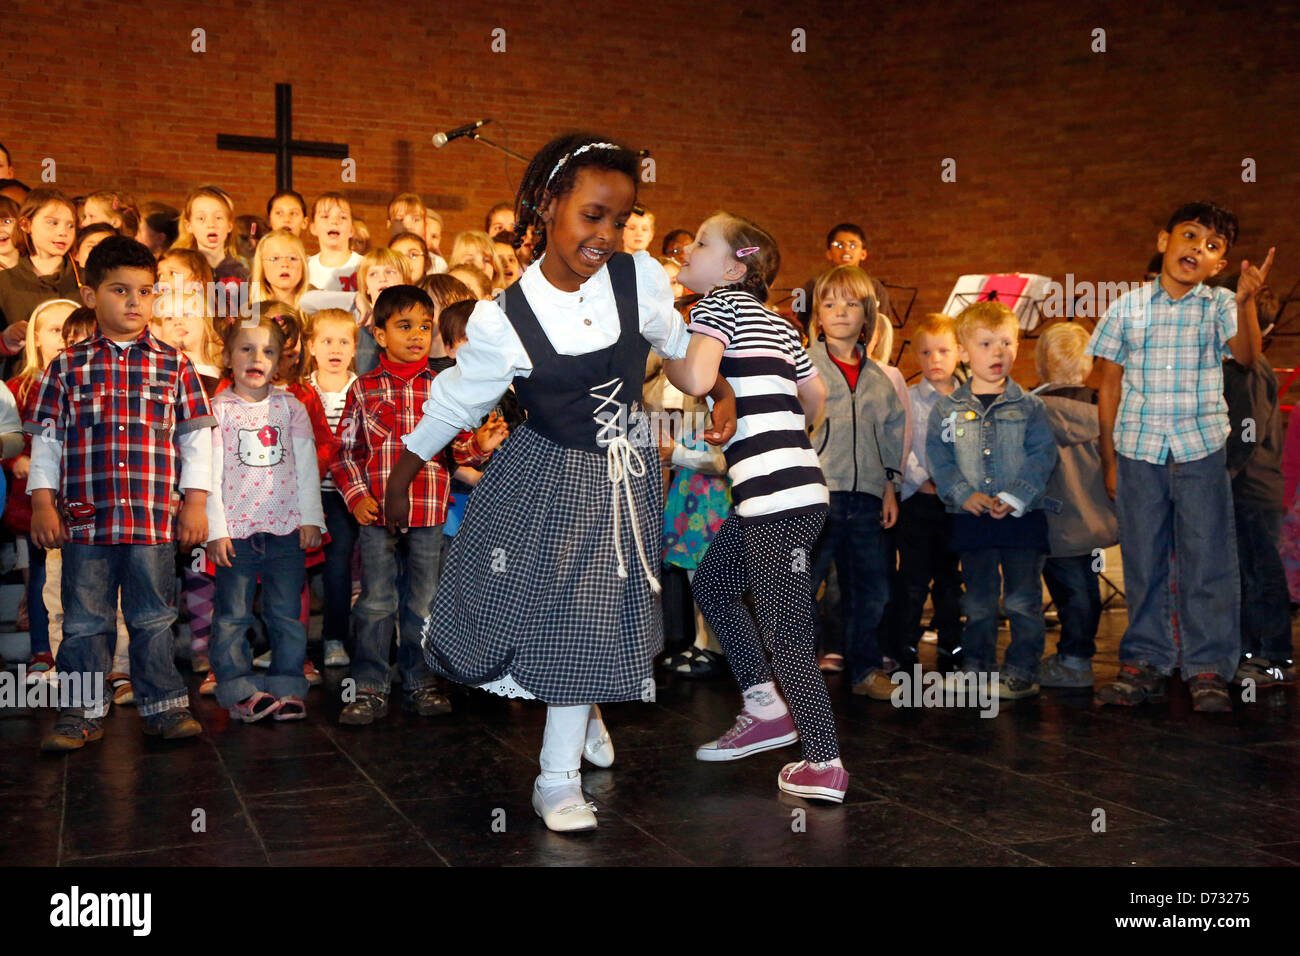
{"type": "Point", "coordinates": [1086, 519]}
{"type": "Point", "coordinates": [859, 436]}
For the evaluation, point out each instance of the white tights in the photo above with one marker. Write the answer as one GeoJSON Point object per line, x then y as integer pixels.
{"type": "Point", "coordinates": [568, 728]}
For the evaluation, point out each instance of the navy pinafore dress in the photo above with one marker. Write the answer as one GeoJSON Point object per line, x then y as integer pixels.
{"type": "Point", "coordinates": [532, 591]}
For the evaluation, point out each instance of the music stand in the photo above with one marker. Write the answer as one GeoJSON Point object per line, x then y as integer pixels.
{"type": "Point", "coordinates": [1022, 292]}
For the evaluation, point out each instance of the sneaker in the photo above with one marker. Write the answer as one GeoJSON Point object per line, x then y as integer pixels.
{"type": "Point", "coordinates": [254, 707]}
{"type": "Point", "coordinates": [1015, 688]}
{"type": "Point", "coordinates": [564, 808]}
{"type": "Point", "coordinates": [71, 732]}
{"type": "Point", "coordinates": [201, 664]}
{"type": "Point", "coordinates": [310, 672]}
{"type": "Point", "coordinates": [366, 709]}
{"type": "Point", "coordinates": [1052, 672]}
{"type": "Point", "coordinates": [960, 680]}
{"type": "Point", "coordinates": [335, 655]}
{"type": "Point", "coordinates": [805, 780]}
{"type": "Point", "coordinates": [750, 735]}
{"type": "Point", "coordinates": [40, 664]}
{"type": "Point", "coordinates": [1263, 672]}
{"type": "Point", "coordinates": [172, 724]}
{"type": "Point", "coordinates": [291, 708]}
{"type": "Point", "coordinates": [876, 685]}
{"type": "Point", "coordinates": [425, 702]}
{"type": "Point", "coordinates": [209, 686]}
{"type": "Point", "coordinates": [831, 663]}
{"type": "Point", "coordinates": [1135, 684]}
{"type": "Point", "coordinates": [120, 685]}
{"type": "Point", "coordinates": [1209, 694]}
{"type": "Point", "coordinates": [263, 661]}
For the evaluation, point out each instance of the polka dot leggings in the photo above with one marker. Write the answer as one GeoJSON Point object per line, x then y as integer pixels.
{"type": "Point", "coordinates": [772, 561]}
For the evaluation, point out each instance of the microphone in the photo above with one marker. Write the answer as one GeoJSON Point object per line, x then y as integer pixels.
{"type": "Point", "coordinates": [442, 139]}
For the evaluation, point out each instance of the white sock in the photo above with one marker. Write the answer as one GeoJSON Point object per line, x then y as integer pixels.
{"type": "Point", "coordinates": [762, 701]}
{"type": "Point", "coordinates": [837, 762]}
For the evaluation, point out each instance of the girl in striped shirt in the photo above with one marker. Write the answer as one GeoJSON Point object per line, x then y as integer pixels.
{"type": "Point", "coordinates": [780, 504]}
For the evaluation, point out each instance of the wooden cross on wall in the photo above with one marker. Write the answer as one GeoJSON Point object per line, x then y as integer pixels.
{"type": "Point", "coordinates": [283, 145]}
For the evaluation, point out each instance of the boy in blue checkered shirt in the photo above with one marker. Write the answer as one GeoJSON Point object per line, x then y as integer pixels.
{"type": "Point", "coordinates": [1164, 423]}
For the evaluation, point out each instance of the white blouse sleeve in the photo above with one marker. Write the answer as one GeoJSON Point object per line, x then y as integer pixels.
{"type": "Point", "coordinates": [462, 395]}
{"type": "Point", "coordinates": [662, 327]}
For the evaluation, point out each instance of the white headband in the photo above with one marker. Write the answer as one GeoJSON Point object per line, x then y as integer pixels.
{"type": "Point", "coordinates": [581, 149]}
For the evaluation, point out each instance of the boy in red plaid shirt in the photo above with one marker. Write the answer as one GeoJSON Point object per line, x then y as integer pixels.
{"type": "Point", "coordinates": [382, 406]}
{"type": "Point", "coordinates": [120, 424]}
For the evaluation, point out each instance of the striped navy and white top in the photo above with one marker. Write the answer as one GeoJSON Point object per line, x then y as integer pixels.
{"type": "Point", "coordinates": [773, 469]}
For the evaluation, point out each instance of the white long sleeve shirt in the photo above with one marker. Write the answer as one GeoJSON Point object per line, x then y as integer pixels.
{"type": "Point", "coordinates": [576, 323]}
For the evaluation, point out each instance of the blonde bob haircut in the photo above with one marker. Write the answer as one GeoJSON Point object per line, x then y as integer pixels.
{"type": "Point", "coordinates": [261, 290]}
{"type": "Point", "coordinates": [849, 281]}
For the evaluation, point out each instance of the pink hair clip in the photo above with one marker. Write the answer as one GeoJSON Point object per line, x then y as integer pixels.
{"type": "Point", "coordinates": [747, 251]}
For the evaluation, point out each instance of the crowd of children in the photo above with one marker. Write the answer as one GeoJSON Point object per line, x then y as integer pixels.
{"type": "Point", "coordinates": [169, 461]}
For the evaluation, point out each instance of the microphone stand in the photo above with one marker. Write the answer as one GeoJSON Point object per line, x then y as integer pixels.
{"type": "Point", "coordinates": [487, 142]}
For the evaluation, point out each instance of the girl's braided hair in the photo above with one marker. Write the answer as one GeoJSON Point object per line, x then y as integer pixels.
{"type": "Point", "coordinates": [554, 171]}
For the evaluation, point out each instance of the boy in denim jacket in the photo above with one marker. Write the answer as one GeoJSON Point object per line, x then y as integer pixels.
{"type": "Point", "coordinates": [991, 452]}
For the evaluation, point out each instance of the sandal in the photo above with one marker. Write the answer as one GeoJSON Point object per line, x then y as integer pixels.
{"type": "Point", "coordinates": [120, 685]}
{"type": "Point", "coordinates": [255, 707]}
{"type": "Point", "coordinates": [209, 686]}
{"type": "Point", "coordinates": [291, 708]}
{"type": "Point", "coordinates": [697, 663]}
{"type": "Point", "coordinates": [832, 664]}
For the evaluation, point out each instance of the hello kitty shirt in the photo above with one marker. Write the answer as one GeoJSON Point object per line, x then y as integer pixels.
{"type": "Point", "coordinates": [264, 476]}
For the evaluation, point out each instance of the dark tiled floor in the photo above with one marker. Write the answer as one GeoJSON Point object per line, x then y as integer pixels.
{"type": "Point", "coordinates": [1052, 781]}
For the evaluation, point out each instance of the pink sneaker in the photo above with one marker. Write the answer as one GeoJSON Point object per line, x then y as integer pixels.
{"type": "Point", "coordinates": [804, 780]}
{"type": "Point", "coordinates": [750, 735]}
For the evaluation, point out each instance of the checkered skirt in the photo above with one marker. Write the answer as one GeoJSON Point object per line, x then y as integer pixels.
{"type": "Point", "coordinates": [531, 587]}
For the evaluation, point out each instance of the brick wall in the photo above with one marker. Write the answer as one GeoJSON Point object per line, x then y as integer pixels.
{"type": "Point", "coordinates": [1066, 160]}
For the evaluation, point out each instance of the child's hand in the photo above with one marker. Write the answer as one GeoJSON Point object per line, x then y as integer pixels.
{"type": "Point", "coordinates": [48, 529]}
{"type": "Point", "coordinates": [15, 336]}
{"type": "Point", "coordinates": [397, 508]}
{"type": "Point", "coordinates": [309, 537]}
{"type": "Point", "coordinates": [22, 466]}
{"type": "Point", "coordinates": [724, 421]}
{"type": "Point", "coordinates": [366, 510]}
{"type": "Point", "coordinates": [192, 526]}
{"type": "Point", "coordinates": [888, 507]}
{"type": "Point", "coordinates": [1112, 479]}
{"type": "Point", "coordinates": [492, 432]}
{"type": "Point", "coordinates": [978, 504]}
{"type": "Point", "coordinates": [1253, 277]}
{"type": "Point", "coordinates": [1001, 508]}
{"type": "Point", "coordinates": [221, 552]}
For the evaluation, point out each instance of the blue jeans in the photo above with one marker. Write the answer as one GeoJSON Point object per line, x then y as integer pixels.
{"type": "Point", "coordinates": [37, 615]}
{"type": "Point", "coordinates": [1020, 584]}
{"type": "Point", "coordinates": [1077, 595]}
{"type": "Point", "coordinates": [145, 575]}
{"type": "Point", "coordinates": [282, 565]}
{"type": "Point", "coordinates": [854, 539]}
{"type": "Point", "coordinates": [336, 574]}
{"type": "Point", "coordinates": [1265, 601]}
{"type": "Point", "coordinates": [399, 578]}
{"type": "Point", "coordinates": [1183, 507]}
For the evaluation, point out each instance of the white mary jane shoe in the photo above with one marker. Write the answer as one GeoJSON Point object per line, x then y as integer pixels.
{"type": "Point", "coordinates": [599, 750]}
{"type": "Point", "coordinates": [564, 809]}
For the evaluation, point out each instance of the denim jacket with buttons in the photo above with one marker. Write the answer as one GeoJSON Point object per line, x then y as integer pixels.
{"type": "Point", "coordinates": [1007, 447]}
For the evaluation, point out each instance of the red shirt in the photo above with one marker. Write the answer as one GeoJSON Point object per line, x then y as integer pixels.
{"type": "Point", "coordinates": [850, 371]}
{"type": "Point", "coordinates": [382, 406]}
